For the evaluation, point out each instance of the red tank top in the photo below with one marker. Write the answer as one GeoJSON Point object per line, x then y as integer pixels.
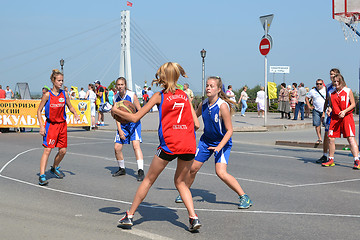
{"type": "Point", "coordinates": [55, 107]}
{"type": "Point", "coordinates": [340, 101]}
{"type": "Point", "coordinates": [176, 127]}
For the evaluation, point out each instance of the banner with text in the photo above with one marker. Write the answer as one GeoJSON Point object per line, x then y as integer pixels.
{"type": "Point", "coordinates": [23, 113]}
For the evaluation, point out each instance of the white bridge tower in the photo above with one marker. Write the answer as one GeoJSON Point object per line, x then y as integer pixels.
{"type": "Point", "coordinates": [125, 59]}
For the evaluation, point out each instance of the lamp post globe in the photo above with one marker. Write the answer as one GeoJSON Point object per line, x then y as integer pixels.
{"type": "Point", "coordinates": [62, 65]}
{"type": "Point", "coordinates": [203, 55]}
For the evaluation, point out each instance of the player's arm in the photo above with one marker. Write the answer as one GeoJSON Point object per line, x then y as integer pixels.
{"type": "Point", "coordinates": [195, 117]}
{"type": "Point", "coordinates": [121, 132]}
{"type": "Point", "coordinates": [199, 110]}
{"type": "Point", "coordinates": [155, 99]}
{"type": "Point", "coordinates": [71, 108]}
{"type": "Point", "coordinates": [43, 101]}
{"type": "Point", "coordinates": [226, 116]}
{"type": "Point", "coordinates": [350, 107]}
{"type": "Point", "coordinates": [12, 93]}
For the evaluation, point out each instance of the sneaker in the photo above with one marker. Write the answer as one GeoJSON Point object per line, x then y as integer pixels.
{"type": "Point", "coordinates": [42, 180]}
{"type": "Point", "coordinates": [56, 171]}
{"type": "Point", "coordinates": [140, 175]}
{"type": "Point", "coordinates": [178, 199]}
{"type": "Point", "coordinates": [194, 224]}
{"type": "Point", "coordinates": [126, 220]}
{"type": "Point", "coordinates": [323, 159]}
{"type": "Point", "coordinates": [245, 202]}
{"type": "Point", "coordinates": [356, 164]}
{"type": "Point", "coordinates": [329, 163]}
{"type": "Point", "coordinates": [119, 172]}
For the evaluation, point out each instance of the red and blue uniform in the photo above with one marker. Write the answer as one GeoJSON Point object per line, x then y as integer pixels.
{"type": "Point", "coordinates": [55, 125]}
{"type": "Point", "coordinates": [176, 126]}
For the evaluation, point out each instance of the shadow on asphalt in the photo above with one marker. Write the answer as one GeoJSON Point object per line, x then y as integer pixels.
{"type": "Point", "coordinates": [154, 213]}
{"type": "Point", "coordinates": [205, 196]}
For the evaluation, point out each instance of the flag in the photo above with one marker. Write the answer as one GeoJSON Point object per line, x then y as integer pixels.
{"type": "Point", "coordinates": [272, 90]}
{"type": "Point", "coordinates": [138, 91]}
{"type": "Point", "coordinates": [129, 3]}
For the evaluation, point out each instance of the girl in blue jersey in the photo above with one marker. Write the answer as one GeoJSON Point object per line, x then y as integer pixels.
{"type": "Point", "coordinates": [128, 132]}
{"type": "Point", "coordinates": [54, 131]}
{"type": "Point", "coordinates": [177, 126]}
{"type": "Point", "coordinates": [216, 115]}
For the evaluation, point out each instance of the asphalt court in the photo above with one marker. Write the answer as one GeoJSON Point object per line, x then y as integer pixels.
{"type": "Point", "coordinates": [294, 198]}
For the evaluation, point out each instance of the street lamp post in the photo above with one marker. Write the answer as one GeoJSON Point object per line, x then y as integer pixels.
{"type": "Point", "coordinates": [62, 65]}
{"type": "Point", "coordinates": [203, 55]}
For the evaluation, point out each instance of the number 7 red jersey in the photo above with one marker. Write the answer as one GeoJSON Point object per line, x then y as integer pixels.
{"type": "Point", "coordinates": [176, 126]}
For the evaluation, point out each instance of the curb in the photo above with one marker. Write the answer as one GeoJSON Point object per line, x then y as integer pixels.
{"type": "Point", "coordinates": [307, 144]}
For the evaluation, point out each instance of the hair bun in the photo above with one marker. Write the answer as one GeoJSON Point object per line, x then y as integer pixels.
{"type": "Point", "coordinates": [55, 70]}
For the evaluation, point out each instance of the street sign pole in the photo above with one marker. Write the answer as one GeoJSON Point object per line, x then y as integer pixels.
{"type": "Point", "coordinates": [265, 81]}
{"type": "Point", "coordinates": [265, 46]}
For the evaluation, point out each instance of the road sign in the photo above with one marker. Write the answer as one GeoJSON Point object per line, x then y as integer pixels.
{"type": "Point", "coordinates": [265, 46]}
{"type": "Point", "coordinates": [268, 19]}
{"type": "Point", "coordinates": [279, 69]}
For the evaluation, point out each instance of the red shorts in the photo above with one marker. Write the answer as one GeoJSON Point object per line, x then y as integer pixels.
{"type": "Point", "coordinates": [55, 135]}
{"type": "Point", "coordinates": [344, 126]}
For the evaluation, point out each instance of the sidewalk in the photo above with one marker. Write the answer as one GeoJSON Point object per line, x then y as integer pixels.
{"type": "Point", "coordinates": [249, 123]}
{"type": "Point", "coordinates": [252, 124]}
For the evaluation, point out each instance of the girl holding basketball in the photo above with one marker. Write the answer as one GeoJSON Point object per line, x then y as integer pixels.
{"type": "Point", "coordinates": [54, 131]}
{"type": "Point", "coordinates": [177, 126]}
{"type": "Point", "coordinates": [128, 132]}
{"type": "Point", "coordinates": [342, 104]}
{"type": "Point", "coordinates": [216, 115]}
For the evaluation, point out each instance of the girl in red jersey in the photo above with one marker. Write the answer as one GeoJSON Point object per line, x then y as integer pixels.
{"type": "Point", "coordinates": [177, 126]}
{"type": "Point", "coordinates": [54, 131]}
{"type": "Point", "coordinates": [342, 121]}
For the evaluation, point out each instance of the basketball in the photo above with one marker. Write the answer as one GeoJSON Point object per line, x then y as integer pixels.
{"type": "Point", "coordinates": [125, 106]}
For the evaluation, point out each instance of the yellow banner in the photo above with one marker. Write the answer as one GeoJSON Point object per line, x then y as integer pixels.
{"type": "Point", "coordinates": [23, 113]}
{"type": "Point", "coordinates": [272, 90]}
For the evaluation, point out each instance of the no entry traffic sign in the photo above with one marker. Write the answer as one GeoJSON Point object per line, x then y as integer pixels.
{"type": "Point", "coordinates": [265, 46]}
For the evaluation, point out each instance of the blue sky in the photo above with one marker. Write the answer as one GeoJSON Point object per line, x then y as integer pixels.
{"type": "Point", "coordinates": [37, 34]}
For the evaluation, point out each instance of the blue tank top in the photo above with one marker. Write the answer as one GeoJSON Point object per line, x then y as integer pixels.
{"type": "Point", "coordinates": [214, 127]}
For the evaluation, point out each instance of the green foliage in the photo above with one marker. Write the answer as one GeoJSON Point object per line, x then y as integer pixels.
{"type": "Point", "coordinates": [111, 85]}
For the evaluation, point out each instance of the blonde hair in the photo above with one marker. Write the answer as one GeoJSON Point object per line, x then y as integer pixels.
{"type": "Point", "coordinates": [222, 95]}
{"type": "Point", "coordinates": [168, 75]}
{"type": "Point", "coordinates": [54, 73]}
{"type": "Point", "coordinates": [341, 79]}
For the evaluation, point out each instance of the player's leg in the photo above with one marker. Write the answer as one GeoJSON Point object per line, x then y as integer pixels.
{"type": "Point", "coordinates": [135, 137]}
{"type": "Point", "coordinates": [228, 179]}
{"type": "Point", "coordinates": [156, 167]}
{"type": "Point", "coordinates": [182, 172]}
{"type": "Point", "coordinates": [330, 161]}
{"type": "Point", "coordinates": [119, 159]}
{"type": "Point", "coordinates": [221, 162]}
{"type": "Point", "coordinates": [55, 169]}
{"type": "Point", "coordinates": [139, 159]}
{"type": "Point", "coordinates": [44, 160]}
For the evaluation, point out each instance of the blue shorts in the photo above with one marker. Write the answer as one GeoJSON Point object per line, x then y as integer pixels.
{"type": "Point", "coordinates": [132, 132]}
{"type": "Point", "coordinates": [317, 118]}
{"type": "Point", "coordinates": [203, 153]}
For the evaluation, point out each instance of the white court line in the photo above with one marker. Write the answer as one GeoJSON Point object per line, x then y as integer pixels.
{"type": "Point", "coordinates": [347, 191]}
{"type": "Point", "coordinates": [184, 209]}
{"type": "Point", "coordinates": [161, 207]}
{"type": "Point", "coordinates": [145, 234]}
